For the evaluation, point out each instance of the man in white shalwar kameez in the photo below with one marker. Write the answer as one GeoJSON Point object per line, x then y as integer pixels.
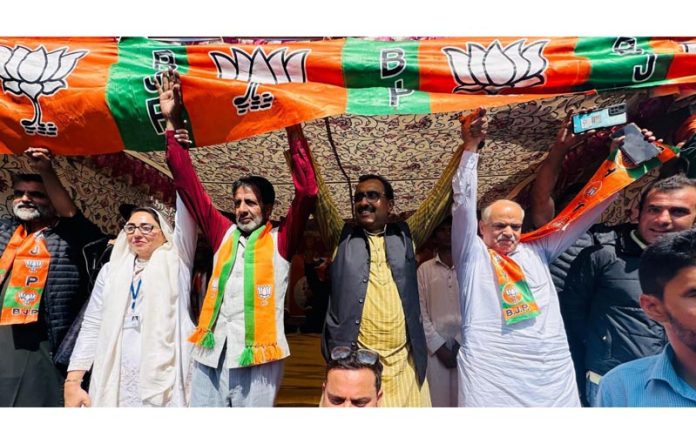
{"type": "Point", "coordinates": [527, 363]}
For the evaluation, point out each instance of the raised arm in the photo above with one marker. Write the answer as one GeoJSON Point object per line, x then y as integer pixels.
{"type": "Point", "coordinates": [188, 185]}
{"type": "Point", "coordinates": [542, 204]}
{"type": "Point", "coordinates": [436, 205]}
{"type": "Point", "coordinates": [303, 177]}
{"type": "Point", "coordinates": [464, 223]}
{"type": "Point", "coordinates": [40, 161]}
{"type": "Point", "coordinates": [185, 235]}
{"type": "Point", "coordinates": [326, 213]}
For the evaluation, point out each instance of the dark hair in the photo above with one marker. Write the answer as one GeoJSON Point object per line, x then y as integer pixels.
{"type": "Point", "coordinates": [388, 190]}
{"type": "Point", "coordinates": [351, 363]}
{"type": "Point", "coordinates": [25, 177]}
{"type": "Point", "coordinates": [150, 211]}
{"type": "Point", "coordinates": [261, 183]}
{"type": "Point", "coordinates": [672, 183]}
{"type": "Point", "coordinates": [664, 259]}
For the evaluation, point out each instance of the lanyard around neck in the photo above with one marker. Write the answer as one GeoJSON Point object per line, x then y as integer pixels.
{"type": "Point", "coordinates": [134, 293]}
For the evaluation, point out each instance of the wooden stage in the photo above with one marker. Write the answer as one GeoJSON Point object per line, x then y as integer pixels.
{"type": "Point", "coordinates": [304, 372]}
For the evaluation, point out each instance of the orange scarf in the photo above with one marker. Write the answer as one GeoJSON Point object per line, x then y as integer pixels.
{"type": "Point", "coordinates": [260, 336]}
{"type": "Point", "coordinates": [28, 258]}
{"type": "Point", "coordinates": [517, 300]}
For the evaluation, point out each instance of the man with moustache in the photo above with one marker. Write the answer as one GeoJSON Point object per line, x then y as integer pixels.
{"type": "Point", "coordinates": [42, 283]}
{"type": "Point", "coordinates": [668, 282]}
{"type": "Point", "coordinates": [605, 323]}
{"type": "Point", "coordinates": [240, 338]}
{"type": "Point", "coordinates": [514, 350]}
{"type": "Point", "coordinates": [374, 301]}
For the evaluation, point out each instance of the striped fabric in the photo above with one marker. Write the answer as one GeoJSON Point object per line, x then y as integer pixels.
{"type": "Point", "coordinates": [646, 382]}
{"type": "Point", "coordinates": [383, 329]}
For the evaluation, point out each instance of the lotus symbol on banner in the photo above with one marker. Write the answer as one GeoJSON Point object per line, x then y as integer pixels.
{"type": "Point", "coordinates": [33, 74]}
{"type": "Point", "coordinates": [493, 68]}
{"type": "Point", "coordinates": [257, 68]}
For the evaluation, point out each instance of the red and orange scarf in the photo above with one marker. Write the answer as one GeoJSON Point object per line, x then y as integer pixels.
{"type": "Point", "coordinates": [28, 258]}
{"type": "Point", "coordinates": [260, 336]}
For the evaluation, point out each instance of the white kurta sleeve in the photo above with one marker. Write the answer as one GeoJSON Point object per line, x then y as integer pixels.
{"type": "Point", "coordinates": [464, 223]}
{"type": "Point", "coordinates": [85, 347]}
{"type": "Point", "coordinates": [556, 243]}
{"type": "Point", "coordinates": [185, 234]}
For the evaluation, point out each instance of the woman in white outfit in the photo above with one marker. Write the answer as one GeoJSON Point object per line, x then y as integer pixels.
{"type": "Point", "coordinates": [134, 331]}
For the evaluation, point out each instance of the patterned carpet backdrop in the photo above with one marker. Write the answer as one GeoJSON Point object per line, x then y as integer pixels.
{"type": "Point", "coordinates": [410, 145]}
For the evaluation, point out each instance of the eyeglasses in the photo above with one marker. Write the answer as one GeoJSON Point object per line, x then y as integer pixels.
{"type": "Point", "coordinates": [372, 196]}
{"type": "Point", "coordinates": [33, 194]}
{"type": "Point", "coordinates": [362, 355]}
{"type": "Point", "coordinates": [144, 228]}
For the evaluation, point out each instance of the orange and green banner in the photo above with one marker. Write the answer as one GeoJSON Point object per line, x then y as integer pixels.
{"type": "Point", "coordinates": [97, 95]}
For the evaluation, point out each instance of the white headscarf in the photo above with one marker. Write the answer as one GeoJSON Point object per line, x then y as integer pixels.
{"type": "Point", "coordinates": [160, 291]}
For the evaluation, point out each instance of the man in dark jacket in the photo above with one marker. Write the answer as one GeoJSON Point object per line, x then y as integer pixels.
{"type": "Point", "coordinates": [605, 323]}
{"type": "Point", "coordinates": [374, 300]}
{"type": "Point", "coordinates": [42, 283]}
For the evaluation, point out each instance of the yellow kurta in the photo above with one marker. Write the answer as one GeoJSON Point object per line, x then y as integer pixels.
{"type": "Point", "coordinates": [383, 326]}
{"type": "Point", "coordinates": [383, 329]}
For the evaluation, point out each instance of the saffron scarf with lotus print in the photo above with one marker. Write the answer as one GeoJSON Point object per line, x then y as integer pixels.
{"type": "Point", "coordinates": [29, 258]}
{"type": "Point", "coordinates": [614, 174]}
{"type": "Point", "coordinates": [260, 336]}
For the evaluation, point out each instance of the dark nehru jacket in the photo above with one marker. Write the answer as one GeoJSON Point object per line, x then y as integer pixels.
{"type": "Point", "coordinates": [350, 273]}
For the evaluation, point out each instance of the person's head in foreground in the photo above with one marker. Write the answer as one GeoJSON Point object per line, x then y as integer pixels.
{"type": "Point", "coordinates": [668, 280]}
{"type": "Point", "coordinates": [353, 379]}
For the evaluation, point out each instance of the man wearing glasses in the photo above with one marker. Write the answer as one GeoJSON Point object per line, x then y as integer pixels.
{"type": "Point", "coordinates": [42, 283]}
{"type": "Point", "coordinates": [374, 300]}
{"type": "Point", "coordinates": [353, 379]}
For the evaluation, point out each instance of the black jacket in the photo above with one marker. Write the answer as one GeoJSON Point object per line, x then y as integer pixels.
{"type": "Point", "coordinates": [66, 287]}
{"type": "Point", "coordinates": [350, 273]}
{"type": "Point", "coordinates": [600, 304]}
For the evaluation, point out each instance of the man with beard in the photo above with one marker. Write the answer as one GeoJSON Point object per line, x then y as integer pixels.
{"type": "Point", "coordinates": [668, 281]}
{"type": "Point", "coordinates": [514, 350]}
{"type": "Point", "coordinates": [374, 300]}
{"type": "Point", "coordinates": [240, 338]}
{"type": "Point", "coordinates": [600, 304]}
{"type": "Point", "coordinates": [42, 283]}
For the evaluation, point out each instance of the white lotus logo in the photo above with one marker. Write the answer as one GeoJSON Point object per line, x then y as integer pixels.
{"type": "Point", "coordinates": [35, 73]}
{"type": "Point", "coordinates": [264, 293]}
{"type": "Point", "coordinates": [280, 66]}
{"type": "Point", "coordinates": [494, 68]}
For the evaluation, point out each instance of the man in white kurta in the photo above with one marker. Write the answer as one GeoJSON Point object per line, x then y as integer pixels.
{"type": "Point", "coordinates": [439, 299]}
{"type": "Point", "coordinates": [522, 364]}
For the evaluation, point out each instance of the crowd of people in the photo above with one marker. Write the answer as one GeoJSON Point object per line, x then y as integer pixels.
{"type": "Point", "coordinates": [569, 314]}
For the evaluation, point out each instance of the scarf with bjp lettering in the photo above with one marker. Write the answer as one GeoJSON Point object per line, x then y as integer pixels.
{"type": "Point", "coordinates": [260, 337]}
{"type": "Point", "coordinates": [28, 257]}
{"type": "Point", "coordinates": [613, 175]}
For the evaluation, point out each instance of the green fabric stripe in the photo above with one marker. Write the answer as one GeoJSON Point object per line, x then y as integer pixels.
{"type": "Point", "coordinates": [383, 78]}
{"type": "Point", "coordinates": [249, 290]}
{"type": "Point", "coordinates": [11, 302]}
{"type": "Point", "coordinates": [631, 64]}
{"type": "Point", "coordinates": [132, 105]}
{"type": "Point", "coordinates": [224, 276]}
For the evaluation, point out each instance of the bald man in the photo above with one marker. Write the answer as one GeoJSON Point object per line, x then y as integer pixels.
{"type": "Point", "coordinates": [514, 350]}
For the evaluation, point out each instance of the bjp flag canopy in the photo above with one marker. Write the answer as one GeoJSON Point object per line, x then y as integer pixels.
{"type": "Point", "coordinates": [79, 96]}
